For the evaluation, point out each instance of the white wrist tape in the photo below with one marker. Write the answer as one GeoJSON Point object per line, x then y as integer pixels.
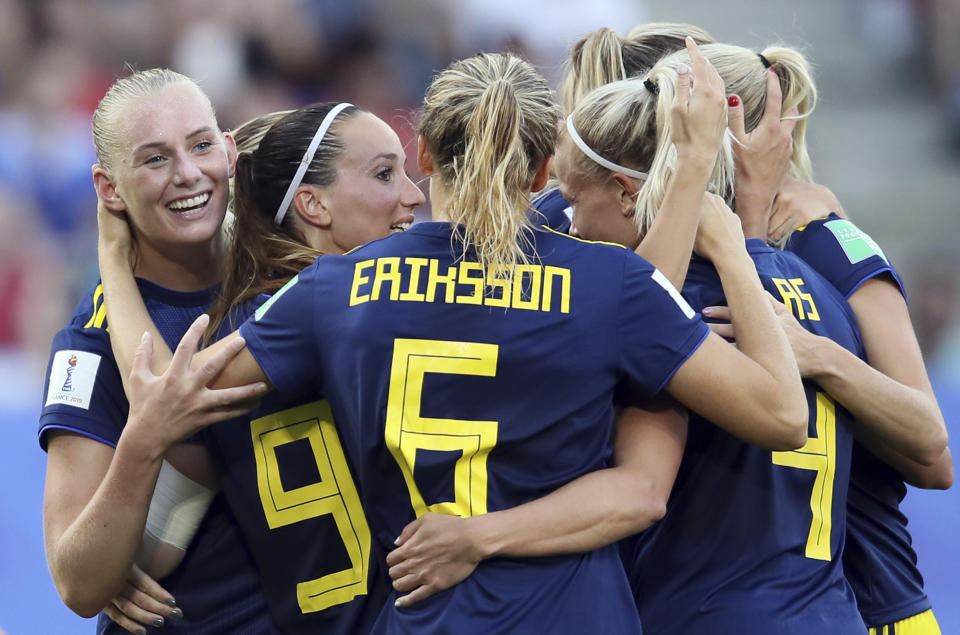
{"type": "Point", "coordinates": [177, 507]}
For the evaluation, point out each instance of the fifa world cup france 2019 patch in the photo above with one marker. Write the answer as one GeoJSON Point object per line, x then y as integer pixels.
{"type": "Point", "coordinates": [276, 296]}
{"type": "Point", "coordinates": [856, 244]}
{"type": "Point", "coordinates": [72, 376]}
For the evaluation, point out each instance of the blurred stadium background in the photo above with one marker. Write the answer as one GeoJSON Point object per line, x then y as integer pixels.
{"type": "Point", "coordinates": [885, 137]}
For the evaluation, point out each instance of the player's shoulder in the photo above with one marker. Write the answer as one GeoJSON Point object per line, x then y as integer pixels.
{"type": "Point", "coordinates": [87, 327]}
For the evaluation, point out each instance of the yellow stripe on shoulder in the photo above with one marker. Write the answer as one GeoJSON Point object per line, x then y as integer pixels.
{"type": "Point", "coordinates": [99, 315]}
{"type": "Point", "coordinates": [583, 240]}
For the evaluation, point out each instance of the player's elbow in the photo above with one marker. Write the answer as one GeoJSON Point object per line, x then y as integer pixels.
{"type": "Point", "coordinates": [78, 598]}
{"type": "Point", "coordinates": [647, 504]}
{"type": "Point", "coordinates": [789, 429]}
{"type": "Point", "coordinates": [939, 476]}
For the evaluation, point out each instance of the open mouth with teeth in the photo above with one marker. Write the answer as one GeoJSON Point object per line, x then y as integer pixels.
{"type": "Point", "coordinates": [400, 227]}
{"type": "Point", "coordinates": [189, 205]}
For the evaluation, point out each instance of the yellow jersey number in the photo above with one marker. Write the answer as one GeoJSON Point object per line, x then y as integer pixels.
{"type": "Point", "coordinates": [334, 494]}
{"type": "Point", "coordinates": [818, 454]}
{"type": "Point", "coordinates": [408, 431]}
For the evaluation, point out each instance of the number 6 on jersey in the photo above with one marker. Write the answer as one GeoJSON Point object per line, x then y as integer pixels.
{"type": "Point", "coordinates": [407, 431]}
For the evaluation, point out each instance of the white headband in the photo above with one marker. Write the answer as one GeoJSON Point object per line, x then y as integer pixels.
{"type": "Point", "coordinates": [587, 150]}
{"type": "Point", "coordinates": [307, 158]}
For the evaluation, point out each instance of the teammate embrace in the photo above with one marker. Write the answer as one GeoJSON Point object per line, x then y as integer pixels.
{"type": "Point", "coordinates": [476, 424]}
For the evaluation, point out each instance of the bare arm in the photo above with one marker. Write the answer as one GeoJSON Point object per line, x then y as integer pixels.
{"type": "Point", "coordinates": [755, 392]}
{"type": "Point", "coordinates": [96, 500]}
{"type": "Point", "coordinates": [892, 349]}
{"type": "Point", "coordinates": [437, 551]}
{"type": "Point", "coordinates": [127, 326]}
{"type": "Point", "coordinates": [94, 508]}
{"type": "Point", "coordinates": [698, 126]}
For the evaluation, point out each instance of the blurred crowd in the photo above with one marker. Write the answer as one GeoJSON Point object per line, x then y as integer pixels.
{"type": "Point", "coordinates": [57, 57]}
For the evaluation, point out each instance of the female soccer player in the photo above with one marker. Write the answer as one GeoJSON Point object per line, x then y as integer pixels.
{"type": "Point", "coordinates": [472, 361]}
{"type": "Point", "coordinates": [313, 554]}
{"type": "Point", "coordinates": [164, 161]}
{"type": "Point", "coordinates": [879, 560]}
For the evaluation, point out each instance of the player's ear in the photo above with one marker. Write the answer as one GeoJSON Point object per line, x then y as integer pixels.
{"type": "Point", "coordinates": [106, 189]}
{"type": "Point", "coordinates": [542, 175]}
{"type": "Point", "coordinates": [628, 190]}
{"type": "Point", "coordinates": [310, 203]}
{"type": "Point", "coordinates": [424, 157]}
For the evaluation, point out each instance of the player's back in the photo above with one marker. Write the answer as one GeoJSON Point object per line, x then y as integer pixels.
{"type": "Point", "coordinates": [289, 482]}
{"type": "Point", "coordinates": [752, 539]}
{"type": "Point", "coordinates": [879, 560]}
{"type": "Point", "coordinates": [465, 401]}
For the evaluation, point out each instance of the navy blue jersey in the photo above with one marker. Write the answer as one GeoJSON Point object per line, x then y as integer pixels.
{"type": "Point", "coordinates": [842, 253]}
{"type": "Point", "coordinates": [552, 210]}
{"type": "Point", "coordinates": [879, 559]}
{"type": "Point", "coordinates": [288, 481]}
{"type": "Point", "coordinates": [460, 391]}
{"type": "Point", "coordinates": [752, 539]}
{"type": "Point", "coordinates": [216, 584]}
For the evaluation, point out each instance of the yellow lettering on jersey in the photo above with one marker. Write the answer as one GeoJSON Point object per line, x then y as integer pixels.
{"type": "Point", "coordinates": [388, 270]}
{"type": "Point", "coordinates": [522, 285]}
{"type": "Point", "coordinates": [333, 494]}
{"type": "Point", "coordinates": [531, 287]}
{"type": "Point", "coordinates": [549, 274]}
{"type": "Point", "coordinates": [449, 281]}
{"type": "Point", "coordinates": [819, 455]}
{"type": "Point", "coordinates": [407, 430]}
{"type": "Point", "coordinates": [475, 296]}
{"type": "Point", "coordinates": [358, 280]}
{"type": "Point", "coordinates": [797, 300]}
{"type": "Point", "coordinates": [412, 294]}
{"type": "Point", "coordinates": [499, 285]}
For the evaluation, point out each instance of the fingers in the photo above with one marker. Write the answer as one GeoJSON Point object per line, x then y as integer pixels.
{"type": "Point", "coordinates": [682, 94]}
{"type": "Point", "coordinates": [774, 104]}
{"type": "Point", "coordinates": [697, 60]}
{"type": "Point", "coordinates": [789, 121]}
{"type": "Point", "coordinates": [717, 312]}
{"type": "Point", "coordinates": [406, 583]}
{"type": "Point", "coordinates": [417, 595]}
{"type": "Point", "coordinates": [189, 343]}
{"type": "Point", "coordinates": [219, 360]}
{"type": "Point", "coordinates": [143, 356]}
{"type": "Point", "coordinates": [123, 621]}
{"type": "Point", "coordinates": [130, 609]}
{"type": "Point", "coordinates": [723, 330]}
{"type": "Point", "coordinates": [735, 118]}
{"type": "Point", "coordinates": [144, 583]}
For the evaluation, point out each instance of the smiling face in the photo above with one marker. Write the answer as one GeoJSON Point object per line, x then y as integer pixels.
{"type": "Point", "coordinates": [372, 195]}
{"type": "Point", "coordinates": [598, 210]}
{"type": "Point", "coordinates": [172, 168]}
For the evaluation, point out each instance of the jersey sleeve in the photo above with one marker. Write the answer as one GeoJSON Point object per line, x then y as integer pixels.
{"type": "Point", "coordinates": [281, 334]}
{"type": "Point", "coordinates": [842, 253]}
{"type": "Point", "coordinates": [657, 330]}
{"type": "Point", "coordinates": [83, 392]}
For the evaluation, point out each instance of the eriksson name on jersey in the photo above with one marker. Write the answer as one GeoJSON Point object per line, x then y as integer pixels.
{"type": "Point", "coordinates": [533, 287]}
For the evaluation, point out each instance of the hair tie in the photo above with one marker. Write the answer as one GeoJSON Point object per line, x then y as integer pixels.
{"type": "Point", "coordinates": [307, 158]}
{"type": "Point", "coordinates": [599, 160]}
{"type": "Point", "coordinates": [766, 62]}
{"type": "Point", "coordinates": [650, 86]}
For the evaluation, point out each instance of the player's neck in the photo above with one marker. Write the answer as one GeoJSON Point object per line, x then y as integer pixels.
{"type": "Point", "coordinates": [189, 267]}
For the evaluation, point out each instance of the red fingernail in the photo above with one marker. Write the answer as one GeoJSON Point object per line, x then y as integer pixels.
{"type": "Point", "coordinates": [734, 101]}
{"type": "Point", "coordinates": [774, 71]}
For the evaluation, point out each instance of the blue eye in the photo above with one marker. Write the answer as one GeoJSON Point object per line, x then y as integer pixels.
{"type": "Point", "coordinates": [157, 158]}
{"type": "Point", "coordinates": [203, 145]}
{"type": "Point", "coordinates": [385, 174]}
